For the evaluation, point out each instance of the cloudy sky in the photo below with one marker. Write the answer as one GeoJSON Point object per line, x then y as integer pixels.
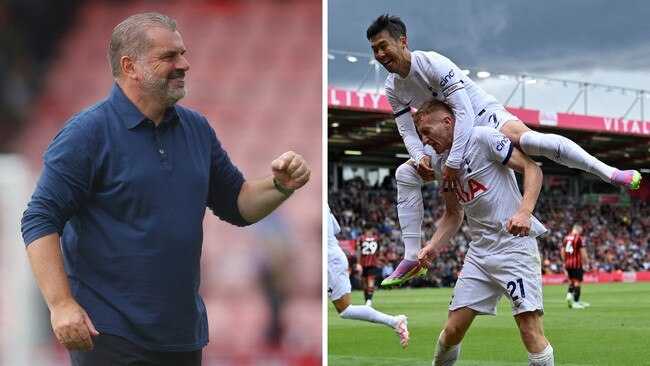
{"type": "Point", "coordinates": [593, 41]}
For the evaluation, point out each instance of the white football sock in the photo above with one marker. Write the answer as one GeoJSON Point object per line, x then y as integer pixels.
{"type": "Point", "coordinates": [445, 355]}
{"type": "Point", "coordinates": [362, 312]}
{"type": "Point", "coordinates": [410, 210]}
{"type": "Point", "coordinates": [564, 151]}
{"type": "Point", "coordinates": [544, 358]}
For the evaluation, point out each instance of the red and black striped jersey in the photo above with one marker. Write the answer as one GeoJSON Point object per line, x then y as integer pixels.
{"type": "Point", "coordinates": [572, 254]}
{"type": "Point", "coordinates": [369, 247]}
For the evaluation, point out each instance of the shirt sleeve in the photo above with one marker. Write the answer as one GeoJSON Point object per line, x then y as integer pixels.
{"type": "Point", "coordinates": [405, 126]}
{"type": "Point", "coordinates": [65, 183]}
{"type": "Point", "coordinates": [446, 74]}
{"type": "Point", "coordinates": [497, 146]}
{"type": "Point", "coordinates": [225, 184]}
{"type": "Point", "coordinates": [334, 227]}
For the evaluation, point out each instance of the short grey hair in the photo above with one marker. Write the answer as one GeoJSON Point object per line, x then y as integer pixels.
{"type": "Point", "coordinates": [129, 38]}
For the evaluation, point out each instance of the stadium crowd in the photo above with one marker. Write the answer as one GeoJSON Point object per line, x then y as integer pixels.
{"type": "Point", "coordinates": [29, 31]}
{"type": "Point", "coordinates": [42, 42]}
{"type": "Point", "coordinates": [614, 234]}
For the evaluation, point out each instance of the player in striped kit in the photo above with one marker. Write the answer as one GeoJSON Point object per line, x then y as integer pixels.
{"type": "Point", "coordinates": [414, 77]}
{"type": "Point", "coordinates": [339, 288]}
{"type": "Point", "coordinates": [367, 255]}
{"type": "Point", "coordinates": [502, 258]}
{"type": "Point", "coordinates": [574, 256]}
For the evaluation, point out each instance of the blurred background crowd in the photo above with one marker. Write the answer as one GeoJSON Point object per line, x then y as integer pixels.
{"type": "Point", "coordinates": [614, 233]}
{"type": "Point", "coordinates": [249, 62]}
{"type": "Point", "coordinates": [29, 32]}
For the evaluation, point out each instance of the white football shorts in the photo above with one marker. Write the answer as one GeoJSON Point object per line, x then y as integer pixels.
{"type": "Point", "coordinates": [338, 278]}
{"type": "Point", "coordinates": [494, 116]}
{"type": "Point", "coordinates": [515, 273]}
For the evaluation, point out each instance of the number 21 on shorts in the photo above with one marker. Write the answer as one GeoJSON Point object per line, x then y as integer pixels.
{"type": "Point", "coordinates": [512, 287]}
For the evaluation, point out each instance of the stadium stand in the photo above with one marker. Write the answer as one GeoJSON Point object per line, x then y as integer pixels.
{"type": "Point", "coordinates": [29, 31]}
{"type": "Point", "coordinates": [256, 75]}
{"type": "Point", "coordinates": [615, 234]}
{"type": "Point", "coordinates": [363, 141]}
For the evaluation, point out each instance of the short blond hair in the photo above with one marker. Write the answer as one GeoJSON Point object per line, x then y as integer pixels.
{"type": "Point", "coordinates": [430, 107]}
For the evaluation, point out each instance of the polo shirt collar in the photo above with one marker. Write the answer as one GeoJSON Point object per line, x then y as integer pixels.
{"type": "Point", "coordinates": [130, 114]}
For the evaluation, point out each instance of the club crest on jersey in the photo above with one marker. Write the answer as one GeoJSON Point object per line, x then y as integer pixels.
{"type": "Point", "coordinates": [474, 189]}
{"type": "Point", "coordinates": [447, 78]}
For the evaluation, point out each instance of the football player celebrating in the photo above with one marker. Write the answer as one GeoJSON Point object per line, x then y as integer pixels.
{"type": "Point", "coordinates": [502, 257]}
{"type": "Point", "coordinates": [415, 77]}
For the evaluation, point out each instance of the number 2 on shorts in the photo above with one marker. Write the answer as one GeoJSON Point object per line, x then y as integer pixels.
{"type": "Point", "coordinates": [512, 286]}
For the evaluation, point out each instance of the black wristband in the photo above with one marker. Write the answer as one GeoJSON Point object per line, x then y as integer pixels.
{"type": "Point", "coordinates": [282, 189]}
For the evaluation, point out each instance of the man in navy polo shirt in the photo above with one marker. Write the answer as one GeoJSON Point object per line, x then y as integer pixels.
{"type": "Point", "coordinates": [125, 184]}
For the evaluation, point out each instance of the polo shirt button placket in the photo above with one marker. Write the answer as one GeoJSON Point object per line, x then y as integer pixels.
{"type": "Point", "coordinates": [161, 151]}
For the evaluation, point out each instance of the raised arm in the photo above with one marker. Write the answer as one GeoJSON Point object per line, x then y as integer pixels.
{"type": "Point", "coordinates": [258, 198]}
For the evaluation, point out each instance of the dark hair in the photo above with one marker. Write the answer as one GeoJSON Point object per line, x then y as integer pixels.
{"type": "Point", "coordinates": [391, 24]}
{"type": "Point", "coordinates": [430, 107]}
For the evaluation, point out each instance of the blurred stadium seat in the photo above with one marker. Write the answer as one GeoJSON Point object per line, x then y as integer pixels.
{"type": "Point", "coordinates": [615, 233]}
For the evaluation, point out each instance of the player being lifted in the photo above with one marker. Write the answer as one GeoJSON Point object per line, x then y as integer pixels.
{"type": "Point", "coordinates": [367, 254]}
{"type": "Point", "coordinates": [414, 77]}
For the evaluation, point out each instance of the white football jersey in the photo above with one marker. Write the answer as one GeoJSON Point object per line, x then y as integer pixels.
{"type": "Point", "coordinates": [489, 194]}
{"type": "Point", "coordinates": [333, 228]}
{"type": "Point", "coordinates": [338, 279]}
{"type": "Point", "coordinates": [435, 76]}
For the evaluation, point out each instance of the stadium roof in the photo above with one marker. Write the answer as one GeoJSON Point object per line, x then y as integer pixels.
{"type": "Point", "coordinates": [370, 137]}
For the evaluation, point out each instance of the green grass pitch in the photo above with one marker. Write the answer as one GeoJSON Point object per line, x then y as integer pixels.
{"type": "Point", "coordinates": [615, 330]}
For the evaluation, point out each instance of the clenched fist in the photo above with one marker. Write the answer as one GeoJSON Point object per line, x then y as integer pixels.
{"type": "Point", "coordinates": [291, 170]}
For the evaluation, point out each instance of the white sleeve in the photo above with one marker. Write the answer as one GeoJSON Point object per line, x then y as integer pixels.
{"type": "Point", "coordinates": [497, 146]}
{"type": "Point", "coordinates": [406, 127]}
{"type": "Point", "coordinates": [333, 225]}
{"type": "Point", "coordinates": [446, 74]}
